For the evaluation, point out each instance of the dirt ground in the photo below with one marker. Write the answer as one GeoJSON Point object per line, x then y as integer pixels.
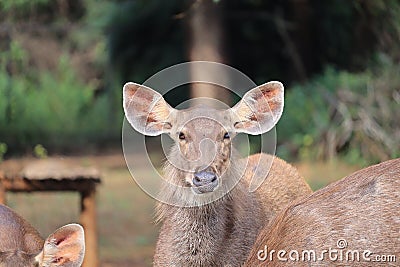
{"type": "Point", "coordinates": [127, 232]}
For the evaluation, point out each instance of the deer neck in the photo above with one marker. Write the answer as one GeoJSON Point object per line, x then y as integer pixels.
{"type": "Point", "coordinates": [199, 235]}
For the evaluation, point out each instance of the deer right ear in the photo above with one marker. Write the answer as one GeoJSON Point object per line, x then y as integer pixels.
{"type": "Point", "coordinates": [64, 248]}
{"type": "Point", "coordinates": [146, 110]}
{"type": "Point", "coordinates": [260, 109]}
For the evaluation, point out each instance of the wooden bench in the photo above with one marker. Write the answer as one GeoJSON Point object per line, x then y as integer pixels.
{"type": "Point", "coordinates": [57, 175]}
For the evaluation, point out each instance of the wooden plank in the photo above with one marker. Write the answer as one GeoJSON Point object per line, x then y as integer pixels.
{"type": "Point", "coordinates": [26, 185]}
{"type": "Point", "coordinates": [89, 223]}
{"type": "Point", "coordinates": [57, 169]}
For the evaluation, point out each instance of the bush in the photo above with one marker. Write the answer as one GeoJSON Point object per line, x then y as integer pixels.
{"type": "Point", "coordinates": [347, 114]}
{"type": "Point", "coordinates": [54, 109]}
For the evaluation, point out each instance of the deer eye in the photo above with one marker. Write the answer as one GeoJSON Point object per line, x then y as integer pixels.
{"type": "Point", "coordinates": [181, 136]}
{"type": "Point", "coordinates": [227, 136]}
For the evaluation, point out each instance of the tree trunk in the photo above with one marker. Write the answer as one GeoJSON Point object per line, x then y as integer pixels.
{"type": "Point", "coordinates": [206, 44]}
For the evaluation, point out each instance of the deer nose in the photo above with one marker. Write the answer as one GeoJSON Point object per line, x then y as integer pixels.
{"type": "Point", "coordinates": [205, 181]}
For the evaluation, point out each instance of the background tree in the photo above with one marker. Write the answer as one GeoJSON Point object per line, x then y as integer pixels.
{"type": "Point", "coordinates": [77, 53]}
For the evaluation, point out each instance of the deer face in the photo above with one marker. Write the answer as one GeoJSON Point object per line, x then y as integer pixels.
{"type": "Point", "coordinates": [202, 135]}
{"type": "Point", "coordinates": [203, 139]}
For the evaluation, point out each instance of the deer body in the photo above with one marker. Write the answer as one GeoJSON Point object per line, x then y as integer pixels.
{"type": "Point", "coordinates": [22, 246]}
{"type": "Point", "coordinates": [222, 233]}
{"type": "Point", "coordinates": [213, 219]}
{"type": "Point", "coordinates": [363, 209]}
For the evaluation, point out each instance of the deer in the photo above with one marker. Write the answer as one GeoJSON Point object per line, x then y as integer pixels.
{"type": "Point", "coordinates": [22, 246]}
{"type": "Point", "coordinates": [357, 217]}
{"type": "Point", "coordinates": [214, 219]}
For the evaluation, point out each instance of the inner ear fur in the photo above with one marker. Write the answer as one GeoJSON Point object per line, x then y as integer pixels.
{"type": "Point", "coordinates": [260, 109]}
{"type": "Point", "coordinates": [146, 110]}
{"type": "Point", "coordinates": [64, 248]}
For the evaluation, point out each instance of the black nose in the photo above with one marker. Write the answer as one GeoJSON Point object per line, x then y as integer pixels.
{"type": "Point", "coordinates": [206, 181]}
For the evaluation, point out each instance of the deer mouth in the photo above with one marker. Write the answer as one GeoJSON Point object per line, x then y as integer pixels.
{"type": "Point", "coordinates": [204, 182]}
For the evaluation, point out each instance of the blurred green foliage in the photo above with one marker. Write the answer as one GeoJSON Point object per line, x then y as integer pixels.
{"type": "Point", "coordinates": [339, 113]}
{"type": "Point", "coordinates": [145, 36]}
{"type": "Point", "coordinates": [40, 152]}
{"type": "Point", "coordinates": [3, 151]}
{"type": "Point", "coordinates": [21, 6]}
{"type": "Point", "coordinates": [341, 102]}
{"type": "Point", "coordinates": [53, 108]}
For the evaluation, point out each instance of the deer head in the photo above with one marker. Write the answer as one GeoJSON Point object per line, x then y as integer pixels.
{"type": "Point", "coordinates": [202, 135]}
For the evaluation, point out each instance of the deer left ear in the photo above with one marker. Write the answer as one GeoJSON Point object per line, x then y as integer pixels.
{"type": "Point", "coordinates": [64, 248]}
{"type": "Point", "coordinates": [260, 109]}
{"type": "Point", "coordinates": [146, 110]}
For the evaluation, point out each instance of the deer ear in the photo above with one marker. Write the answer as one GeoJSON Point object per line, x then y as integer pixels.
{"type": "Point", "coordinates": [260, 109]}
{"type": "Point", "coordinates": [64, 248]}
{"type": "Point", "coordinates": [146, 110]}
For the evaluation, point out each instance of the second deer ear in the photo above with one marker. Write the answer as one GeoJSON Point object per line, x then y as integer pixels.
{"type": "Point", "coordinates": [260, 109]}
{"type": "Point", "coordinates": [64, 248]}
{"type": "Point", "coordinates": [146, 110]}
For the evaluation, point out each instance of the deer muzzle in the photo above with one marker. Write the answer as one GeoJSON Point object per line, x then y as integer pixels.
{"type": "Point", "coordinates": [204, 181]}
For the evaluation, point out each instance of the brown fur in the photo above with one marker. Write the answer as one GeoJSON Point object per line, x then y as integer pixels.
{"type": "Point", "coordinates": [222, 233]}
{"type": "Point", "coordinates": [283, 184]}
{"type": "Point", "coordinates": [19, 241]}
{"type": "Point", "coordinates": [22, 246]}
{"type": "Point", "coordinates": [363, 209]}
{"type": "Point", "coordinates": [218, 225]}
